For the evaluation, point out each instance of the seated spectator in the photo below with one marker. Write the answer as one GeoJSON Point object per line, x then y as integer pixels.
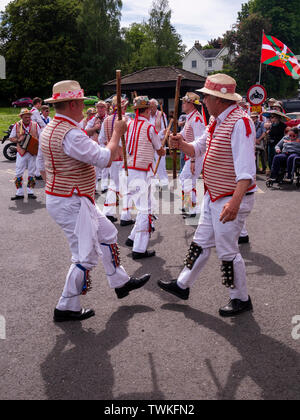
{"type": "Point", "coordinates": [286, 150]}
{"type": "Point", "coordinates": [259, 146]}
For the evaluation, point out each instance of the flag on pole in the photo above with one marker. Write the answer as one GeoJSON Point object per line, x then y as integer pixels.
{"type": "Point", "coordinates": [275, 53]}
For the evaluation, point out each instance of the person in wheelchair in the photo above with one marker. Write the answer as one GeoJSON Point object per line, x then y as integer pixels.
{"type": "Point", "coordinates": [286, 151]}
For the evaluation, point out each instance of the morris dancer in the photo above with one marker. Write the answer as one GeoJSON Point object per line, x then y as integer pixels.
{"type": "Point", "coordinates": [141, 141]}
{"type": "Point", "coordinates": [229, 177]}
{"type": "Point", "coordinates": [93, 129]}
{"type": "Point", "coordinates": [67, 157]}
{"type": "Point", "coordinates": [193, 128]}
{"type": "Point", "coordinates": [24, 159]}
{"type": "Point", "coordinates": [159, 121]}
{"type": "Point", "coordinates": [113, 194]}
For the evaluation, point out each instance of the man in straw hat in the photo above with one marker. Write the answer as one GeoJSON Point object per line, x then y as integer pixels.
{"type": "Point", "coordinates": [229, 180]}
{"type": "Point", "coordinates": [113, 195]}
{"type": "Point", "coordinates": [67, 158]}
{"type": "Point", "coordinates": [193, 128]}
{"type": "Point", "coordinates": [141, 141]}
{"type": "Point", "coordinates": [24, 159]}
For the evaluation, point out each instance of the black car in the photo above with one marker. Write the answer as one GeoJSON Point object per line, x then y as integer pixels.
{"type": "Point", "coordinates": [291, 105]}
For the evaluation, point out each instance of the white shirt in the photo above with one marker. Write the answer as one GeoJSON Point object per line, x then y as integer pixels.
{"type": "Point", "coordinates": [164, 123]}
{"type": "Point", "coordinates": [13, 133]}
{"type": "Point", "coordinates": [243, 147]}
{"type": "Point", "coordinates": [79, 146]}
{"type": "Point", "coordinates": [36, 116]}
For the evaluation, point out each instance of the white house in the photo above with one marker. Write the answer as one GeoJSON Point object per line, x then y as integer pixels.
{"type": "Point", "coordinates": [204, 62]}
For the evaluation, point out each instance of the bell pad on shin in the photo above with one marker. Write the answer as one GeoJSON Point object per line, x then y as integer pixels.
{"type": "Point", "coordinates": [227, 274]}
{"type": "Point", "coordinates": [193, 254]}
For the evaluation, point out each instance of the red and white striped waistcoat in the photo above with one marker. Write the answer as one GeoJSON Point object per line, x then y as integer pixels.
{"type": "Point", "coordinates": [65, 174]}
{"type": "Point", "coordinates": [109, 128]}
{"type": "Point", "coordinates": [188, 132]}
{"type": "Point", "coordinates": [139, 147]}
{"type": "Point", "coordinates": [218, 167]}
{"type": "Point", "coordinates": [32, 129]}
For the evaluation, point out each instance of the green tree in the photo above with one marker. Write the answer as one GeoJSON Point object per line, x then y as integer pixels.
{"type": "Point", "coordinates": [244, 42]}
{"type": "Point", "coordinates": [102, 46]}
{"type": "Point", "coordinates": [153, 43]}
{"type": "Point", "coordinates": [39, 44]}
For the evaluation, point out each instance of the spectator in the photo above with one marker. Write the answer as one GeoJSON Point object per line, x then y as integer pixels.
{"type": "Point", "coordinates": [275, 132]}
{"type": "Point", "coordinates": [287, 149]}
{"type": "Point", "coordinates": [259, 143]}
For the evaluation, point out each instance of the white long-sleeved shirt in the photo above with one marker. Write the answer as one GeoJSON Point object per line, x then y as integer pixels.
{"type": "Point", "coordinates": [243, 147]}
{"type": "Point", "coordinates": [79, 146]}
{"type": "Point", "coordinates": [36, 116]}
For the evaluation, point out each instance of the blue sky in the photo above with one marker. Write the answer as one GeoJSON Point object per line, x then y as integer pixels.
{"type": "Point", "coordinates": [199, 20]}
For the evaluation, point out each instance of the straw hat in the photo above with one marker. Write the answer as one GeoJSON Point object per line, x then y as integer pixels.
{"type": "Point", "coordinates": [124, 102]}
{"type": "Point", "coordinates": [141, 102]}
{"type": "Point", "coordinates": [221, 86]}
{"type": "Point", "coordinates": [191, 98]}
{"type": "Point", "coordinates": [271, 112]}
{"type": "Point", "coordinates": [91, 111]}
{"type": "Point", "coordinates": [24, 111]}
{"type": "Point", "coordinates": [271, 101]}
{"type": "Point", "coordinates": [67, 90]}
{"type": "Point", "coordinates": [101, 103]}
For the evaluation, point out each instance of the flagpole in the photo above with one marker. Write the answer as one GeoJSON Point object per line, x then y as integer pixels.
{"type": "Point", "coordinates": [260, 67]}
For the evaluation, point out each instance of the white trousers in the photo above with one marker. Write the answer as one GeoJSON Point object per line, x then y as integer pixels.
{"type": "Point", "coordinates": [213, 233]}
{"type": "Point", "coordinates": [189, 183]}
{"type": "Point", "coordinates": [65, 211]}
{"type": "Point", "coordinates": [113, 193]}
{"type": "Point", "coordinates": [22, 163]}
{"type": "Point", "coordinates": [161, 174]}
{"type": "Point", "coordinates": [139, 194]}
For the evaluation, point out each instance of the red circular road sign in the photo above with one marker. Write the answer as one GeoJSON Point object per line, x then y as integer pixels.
{"type": "Point", "coordinates": [257, 95]}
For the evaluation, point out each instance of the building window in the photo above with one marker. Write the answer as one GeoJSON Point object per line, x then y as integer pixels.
{"type": "Point", "coordinates": [210, 63]}
{"type": "Point", "coordinates": [194, 64]}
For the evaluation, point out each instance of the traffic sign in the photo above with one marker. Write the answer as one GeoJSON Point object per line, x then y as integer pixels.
{"type": "Point", "coordinates": [257, 95]}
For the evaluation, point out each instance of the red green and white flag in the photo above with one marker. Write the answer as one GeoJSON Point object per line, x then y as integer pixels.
{"type": "Point", "coordinates": [275, 53]}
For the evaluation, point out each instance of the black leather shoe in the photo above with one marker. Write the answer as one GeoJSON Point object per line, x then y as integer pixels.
{"type": "Point", "coordinates": [104, 191]}
{"type": "Point", "coordinates": [127, 222]}
{"type": "Point", "coordinates": [39, 178]}
{"type": "Point", "coordinates": [17, 197]}
{"type": "Point", "coordinates": [129, 243]}
{"type": "Point", "coordinates": [64, 316]}
{"type": "Point", "coordinates": [244, 239]}
{"type": "Point", "coordinates": [140, 255]}
{"type": "Point", "coordinates": [236, 307]}
{"type": "Point", "coordinates": [112, 219]}
{"type": "Point", "coordinates": [173, 288]}
{"type": "Point", "coordinates": [189, 216]}
{"type": "Point", "coordinates": [132, 284]}
{"type": "Point", "coordinates": [32, 197]}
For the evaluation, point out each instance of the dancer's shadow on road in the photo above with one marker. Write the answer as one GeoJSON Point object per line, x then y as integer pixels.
{"type": "Point", "coordinates": [26, 207]}
{"type": "Point", "coordinates": [272, 365]}
{"type": "Point", "coordinates": [79, 366]}
{"type": "Point", "coordinates": [264, 263]}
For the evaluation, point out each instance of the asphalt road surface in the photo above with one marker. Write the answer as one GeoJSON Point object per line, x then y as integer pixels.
{"type": "Point", "coordinates": [149, 346]}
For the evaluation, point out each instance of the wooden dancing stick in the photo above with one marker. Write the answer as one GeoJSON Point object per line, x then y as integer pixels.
{"type": "Point", "coordinates": [119, 102]}
{"type": "Point", "coordinates": [162, 114]}
{"type": "Point", "coordinates": [163, 144]}
{"type": "Point", "coordinates": [177, 97]}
